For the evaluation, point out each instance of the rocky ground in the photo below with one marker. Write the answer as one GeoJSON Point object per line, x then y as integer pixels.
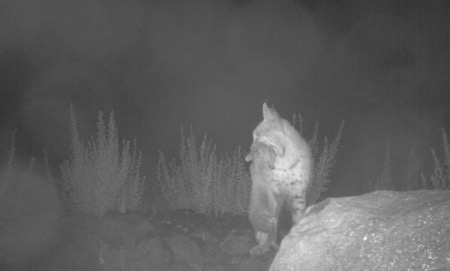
{"type": "Point", "coordinates": [180, 240]}
{"type": "Point", "coordinates": [383, 230]}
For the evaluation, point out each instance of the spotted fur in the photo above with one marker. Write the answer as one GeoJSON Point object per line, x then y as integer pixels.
{"type": "Point", "coordinates": [280, 172]}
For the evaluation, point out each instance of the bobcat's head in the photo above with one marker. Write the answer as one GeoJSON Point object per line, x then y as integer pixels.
{"type": "Point", "coordinates": [268, 137]}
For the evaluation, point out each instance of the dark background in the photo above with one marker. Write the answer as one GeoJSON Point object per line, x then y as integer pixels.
{"type": "Point", "coordinates": [383, 66]}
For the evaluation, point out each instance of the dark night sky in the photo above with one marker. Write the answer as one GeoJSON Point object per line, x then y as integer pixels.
{"type": "Point", "coordinates": [383, 66]}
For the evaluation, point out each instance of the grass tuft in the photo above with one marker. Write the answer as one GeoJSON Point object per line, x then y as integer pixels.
{"type": "Point", "coordinates": [12, 182]}
{"type": "Point", "coordinates": [440, 178]}
{"type": "Point", "coordinates": [323, 161]}
{"type": "Point", "coordinates": [384, 181]}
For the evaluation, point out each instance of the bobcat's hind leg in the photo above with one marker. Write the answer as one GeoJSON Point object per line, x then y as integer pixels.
{"type": "Point", "coordinates": [265, 234]}
{"type": "Point", "coordinates": [263, 215]}
{"type": "Point", "coordinates": [264, 243]}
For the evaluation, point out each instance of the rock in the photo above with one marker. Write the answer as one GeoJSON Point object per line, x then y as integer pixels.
{"type": "Point", "coordinates": [237, 244]}
{"type": "Point", "coordinates": [186, 251]}
{"type": "Point", "coordinates": [383, 230]}
{"type": "Point", "coordinates": [215, 261]}
{"type": "Point", "coordinates": [147, 256]}
{"type": "Point", "coordinates": [123, 227]}
{"type": "Point", "coordinates": [252, 264]}
{"type": "Point", "coordinates": [154, 249]}
{"type": "Point", "coordinates": [29, 218]}
{"type": "Point", "coordinates": [215, 268]}
{"type": "Point", "coordinates": [109, 243]}
{"type": "Point", "coordinates": [201, 234]}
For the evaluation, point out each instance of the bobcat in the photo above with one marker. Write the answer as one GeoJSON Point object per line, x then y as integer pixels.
{"type": "Point", "coordinates": [280, 171]}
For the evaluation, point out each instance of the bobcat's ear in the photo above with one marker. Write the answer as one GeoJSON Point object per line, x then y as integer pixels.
{"type": "Point", "coordinates": [269, 114]}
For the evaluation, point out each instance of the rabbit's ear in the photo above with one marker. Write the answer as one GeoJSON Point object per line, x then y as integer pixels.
{"type": "Point", "coordinates": [250, 156]}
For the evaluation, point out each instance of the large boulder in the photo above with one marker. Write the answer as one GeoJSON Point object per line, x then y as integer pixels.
{"type": "Point", "coordinates": [383, 230]}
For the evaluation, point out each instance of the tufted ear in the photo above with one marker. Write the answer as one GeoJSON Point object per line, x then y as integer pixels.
{"type": "Point", "coordinates": [269, 114]}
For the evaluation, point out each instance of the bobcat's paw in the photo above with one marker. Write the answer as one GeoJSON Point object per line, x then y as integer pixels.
{"type": "Point", "coordinates": [263, 248]}
{"type": "Point", "coordinates": [259, 249]}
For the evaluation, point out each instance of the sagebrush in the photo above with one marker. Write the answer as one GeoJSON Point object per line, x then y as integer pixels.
{"type": "Point", "coordinates": [102, 174]}
{"type": "Point", "coordinates": [203, 181]}
{"type": "Point", "coordinates": [440, 176]}
{"type": "Point", "coordinates": [323, 159]}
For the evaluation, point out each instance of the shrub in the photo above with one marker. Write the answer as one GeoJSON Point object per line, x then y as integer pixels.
{"type": "Point", "coordinates": [102, 175]}
{"type": "Point", "coordinates": [413, 171]}
{"type": "Point", "coordinates": [440, 178]}
{"type": "Point", "coordinates": [384, 181]}
{"type": "Point", "coordinates": [12, 182]}
{"type": "Point", "coordinates": [323, 161]}
{"type": "Point", "coordinates": [202, 181]}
